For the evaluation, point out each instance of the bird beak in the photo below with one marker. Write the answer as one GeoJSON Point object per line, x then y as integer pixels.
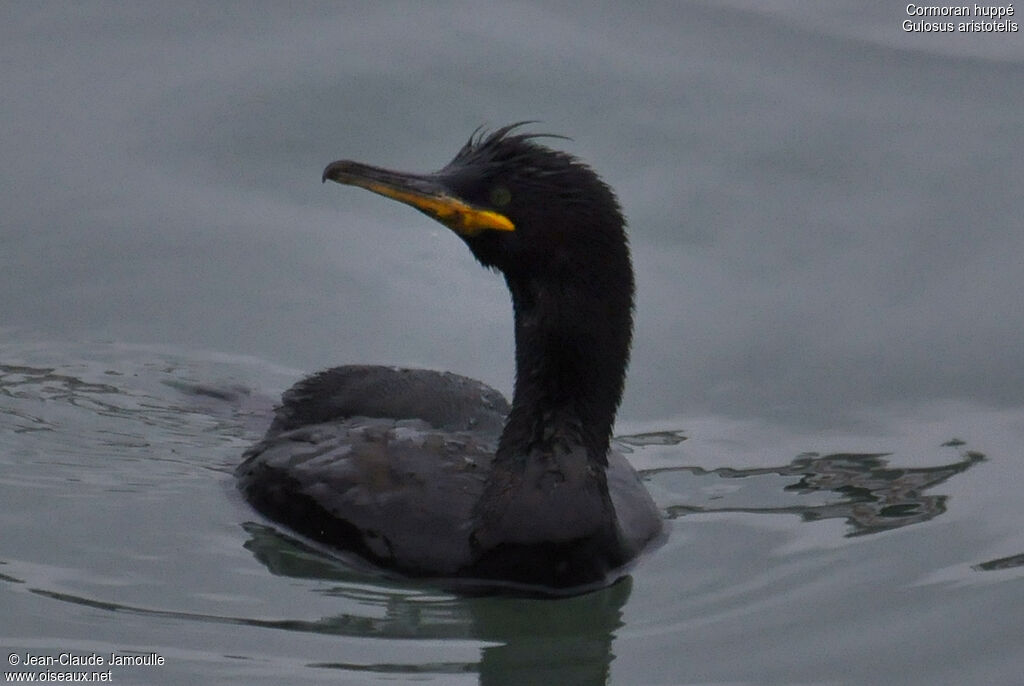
{"type": "Point", "coordinates": [424, 192]}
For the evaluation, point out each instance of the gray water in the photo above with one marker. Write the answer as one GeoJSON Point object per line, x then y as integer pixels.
{"type": "Point", "coordinates": [826, 389]}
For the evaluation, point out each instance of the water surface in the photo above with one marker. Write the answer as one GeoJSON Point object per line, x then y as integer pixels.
{"type": "Point", "coordinates": [122, 534]}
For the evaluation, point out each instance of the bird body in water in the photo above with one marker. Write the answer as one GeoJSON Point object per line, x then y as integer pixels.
{"type": "Point", "coordinates": [432, 474]}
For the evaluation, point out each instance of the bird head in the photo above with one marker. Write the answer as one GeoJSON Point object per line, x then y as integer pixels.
{"type": "Point", "coordinates": [521, 207]}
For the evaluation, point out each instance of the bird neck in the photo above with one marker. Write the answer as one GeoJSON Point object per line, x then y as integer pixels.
{"type": "Point", "coordinates": [572, 348]}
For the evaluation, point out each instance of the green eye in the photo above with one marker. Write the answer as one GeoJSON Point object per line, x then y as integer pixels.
{"type": "Point", "coordinates": [501, 196]}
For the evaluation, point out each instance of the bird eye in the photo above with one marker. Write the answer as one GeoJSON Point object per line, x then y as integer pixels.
{"type": "Point", "coordinates": [500, 196]}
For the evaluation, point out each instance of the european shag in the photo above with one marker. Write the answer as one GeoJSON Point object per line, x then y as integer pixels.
{"type": "Point", "coordinates": [432, 474]}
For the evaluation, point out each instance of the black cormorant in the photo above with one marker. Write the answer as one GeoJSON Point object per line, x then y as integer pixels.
{"type": "Point", "coordinates": [432, 474]}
